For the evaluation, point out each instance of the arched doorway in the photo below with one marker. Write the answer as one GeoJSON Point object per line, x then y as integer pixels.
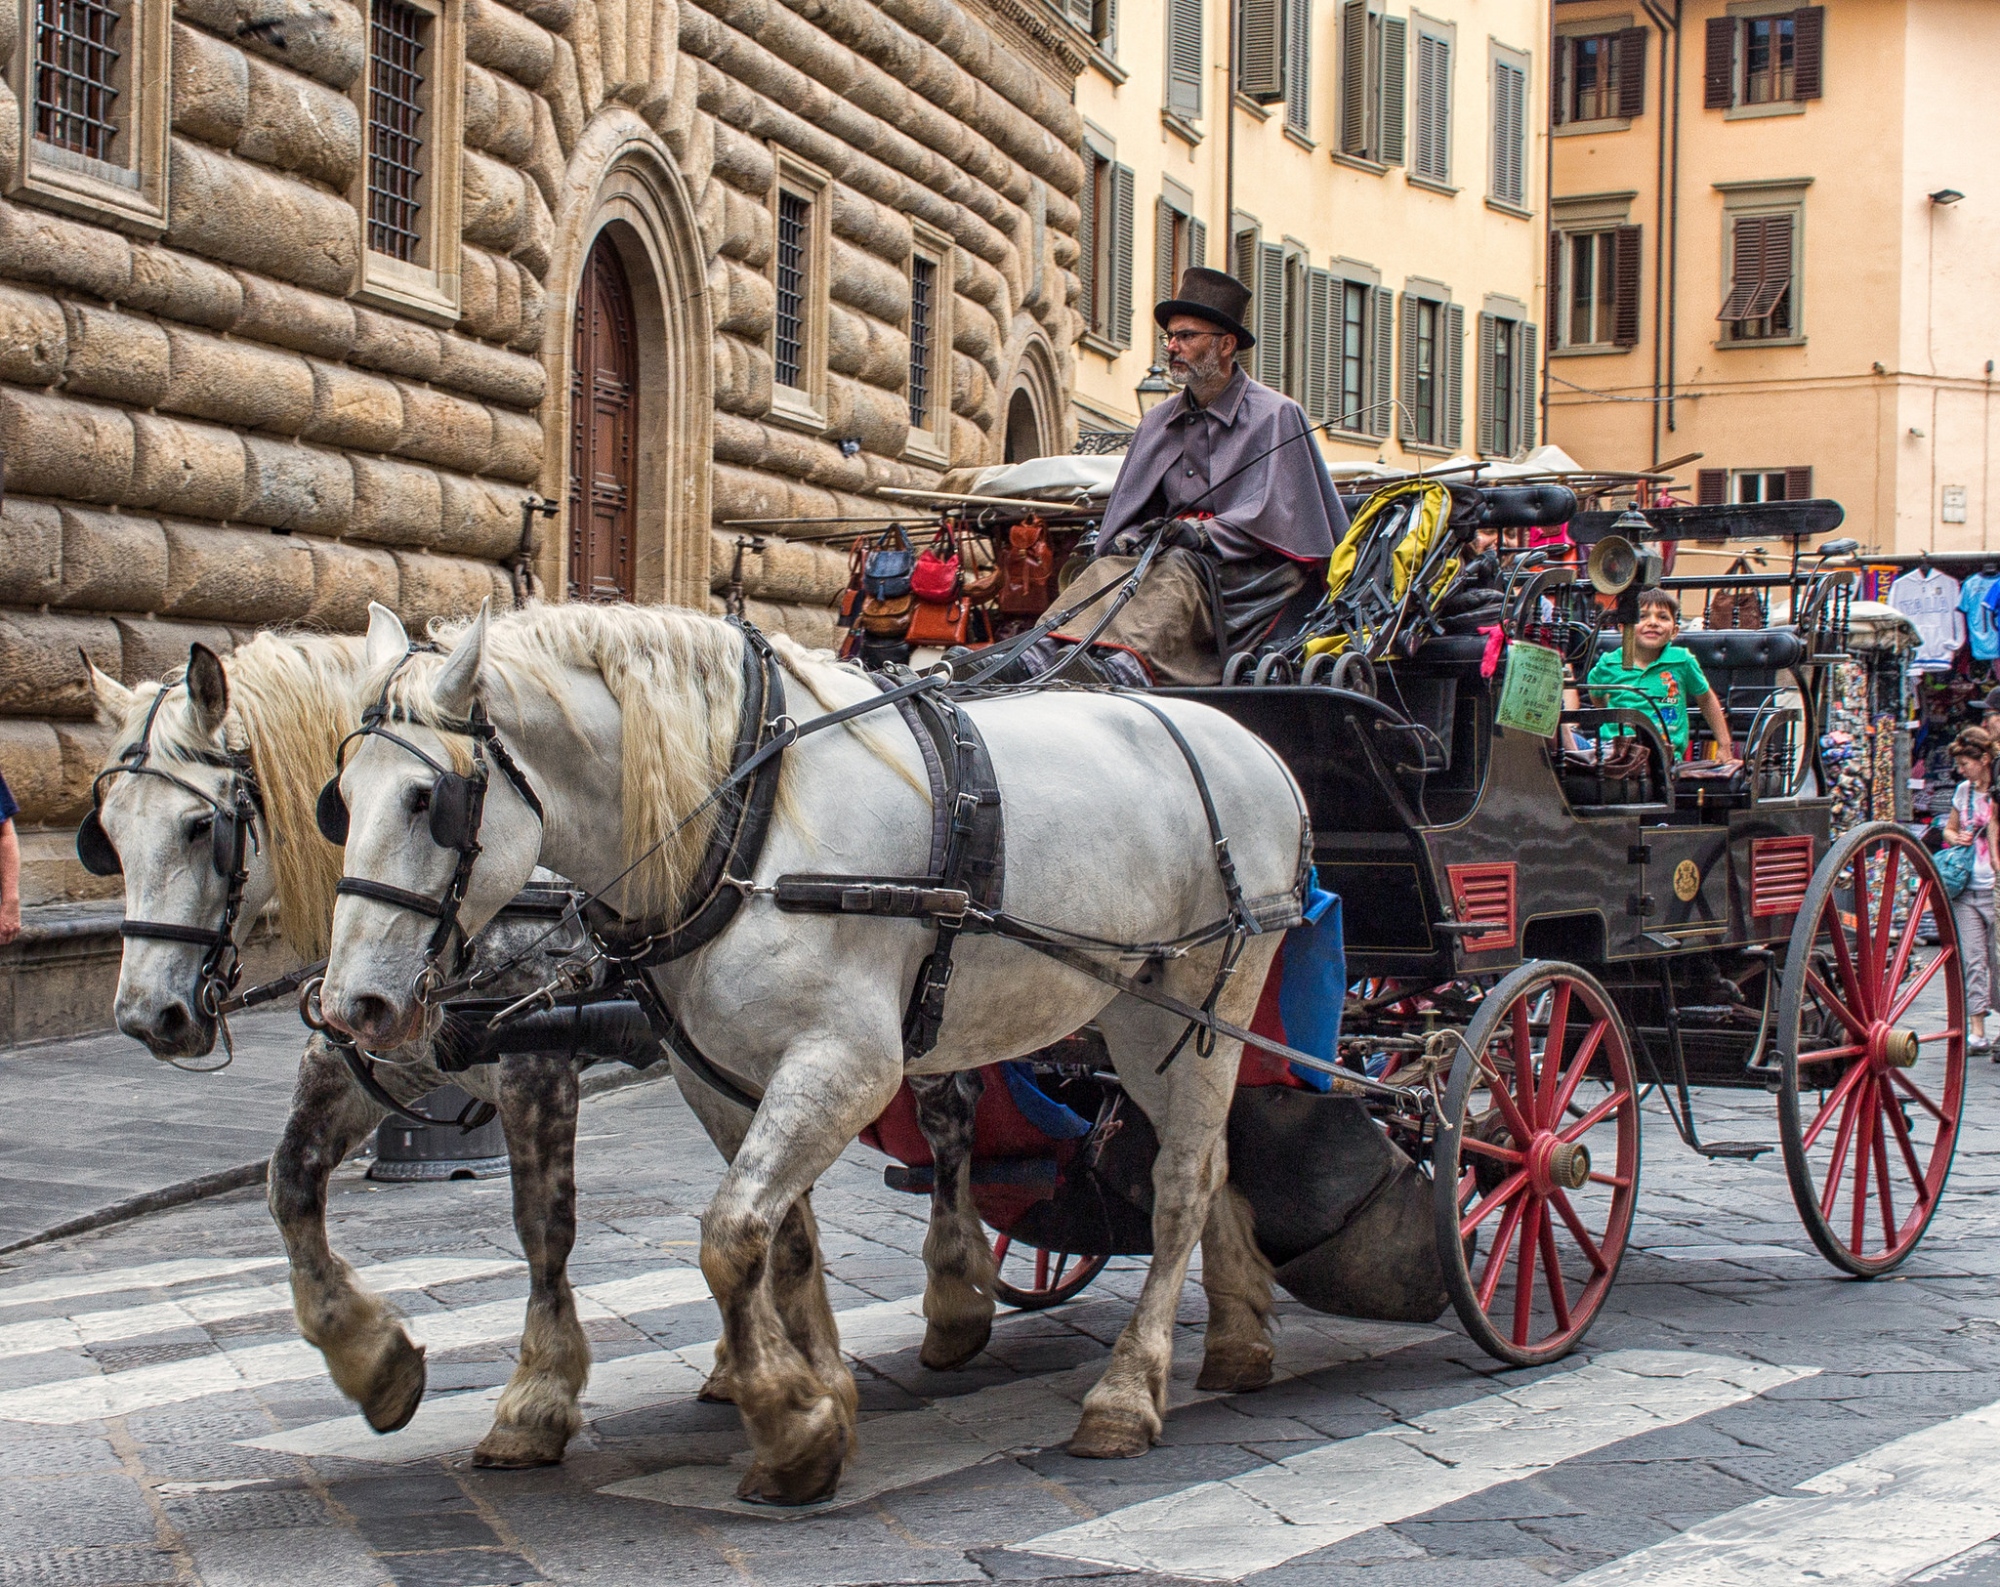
{"type": "Point", "coordinates": [604, 411]}
{"type": "Point", "coordinates": [1024, 429]}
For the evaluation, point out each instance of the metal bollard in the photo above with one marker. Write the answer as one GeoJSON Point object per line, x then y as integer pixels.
{"type": "Point", "coordinates": [406, 1152]}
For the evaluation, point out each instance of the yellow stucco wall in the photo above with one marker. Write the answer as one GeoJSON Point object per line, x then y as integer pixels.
{"type": "Point", "coordinates": [1303, 194]}
{"type": "Point", "coordinates": [1898, 301]}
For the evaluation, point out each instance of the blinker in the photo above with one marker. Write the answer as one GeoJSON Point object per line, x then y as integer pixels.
{"type": "Point", "coordinates": [452, 819]}
{"type": "Point", "coordinates": [94, 850]}
{"type": "Point", "coordinates": [330, 813]}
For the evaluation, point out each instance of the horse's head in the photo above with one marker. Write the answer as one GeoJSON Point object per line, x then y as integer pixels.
{"type": "Point", "coordinates": [167, 812]}
{"type": "Point", "coordinates": [438, 834]}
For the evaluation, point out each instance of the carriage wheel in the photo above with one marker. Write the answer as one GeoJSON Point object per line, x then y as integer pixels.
{"type": "Point", "coordinates": [1237, 666]}
{"type": "Point", "coordinates": [1868, 1104]}
{"type": "Point", "coordinates": [1533, 1205]}
{"type": "Point", "coordinates": [1274, 668]}
{"type": "Point", "coordinates": [1047, 1278]}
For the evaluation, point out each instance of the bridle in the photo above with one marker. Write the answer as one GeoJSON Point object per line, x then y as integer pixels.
{"type": "Point", "coordinates": [457, 804]}
{"type": "Point", "coordinates": [234, 833]}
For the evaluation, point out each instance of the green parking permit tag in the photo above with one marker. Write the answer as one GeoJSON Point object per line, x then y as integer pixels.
{"type": "Point", "coordinates": [1531, 697]}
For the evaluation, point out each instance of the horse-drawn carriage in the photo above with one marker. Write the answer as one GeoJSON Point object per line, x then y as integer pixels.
{"type": "Point", "coordinates": [1539, 934]}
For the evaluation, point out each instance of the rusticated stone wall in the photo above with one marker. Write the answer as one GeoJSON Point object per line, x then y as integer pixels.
{"type": "Point", "coordinates": [206, 433]}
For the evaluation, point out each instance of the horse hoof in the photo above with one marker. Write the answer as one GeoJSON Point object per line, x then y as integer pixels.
{"type": "Point", "coordinates": [718, 1390]}
{"type": "Point", "coordinates": [810, 1481]}
{"type": "Point", "coordinates": [946, 1349]}
{"type": "Point", "coordinates": [399, 1388]}
{"type": "Point", "coordinates": [1235, 1374]}
{"type": "Point", "coordinates": [518, 1448]}
{"type": "Point", "coordinates": [1110, 1434]}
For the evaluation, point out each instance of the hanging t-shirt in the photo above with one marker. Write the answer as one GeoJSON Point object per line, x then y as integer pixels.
{"type": "Point", "coordinates": [1975, 810]}
{"type": "Point", "coordinates": [1982, 622]}
{"type": "Point", "coordinates": [1930, 601]}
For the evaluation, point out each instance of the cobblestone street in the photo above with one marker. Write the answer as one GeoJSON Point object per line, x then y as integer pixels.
{"type": "Point", "coordinates": [1738, 1414]}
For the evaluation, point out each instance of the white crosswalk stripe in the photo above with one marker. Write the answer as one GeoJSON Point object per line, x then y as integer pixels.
{"type": "Point", "coordinates": [1224, 1531]}
{"type": "Point", "coordinates": [1875, 1521]}
{"type": "Point", "coordinates": [72, 1400]}
{"type": "Point", "coordinates": [117, 1280]}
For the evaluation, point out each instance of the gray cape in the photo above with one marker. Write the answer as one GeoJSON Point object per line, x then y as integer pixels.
{"type": "Point", "coordinates": [1283, 503]}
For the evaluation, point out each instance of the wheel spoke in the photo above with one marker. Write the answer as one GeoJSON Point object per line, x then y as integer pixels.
{"type": "Point", "coordinates": [1062, 1262]}
{"type": "Point", "coordinates": [1524, 1061]}
{"type": "Point", "coordinates": [1941, 1035]}
{"type": "Point", "coordinates": [1000, 1248]}
{"type": "Point", "coordinates": [1593, 1118]}
{"type": "Point", "coordinates": [1882, 1174]}
{"type": "Point", "coordinates": [1552, 1272]}
{"type": "Point", "coordinates": [1917, 1096]}
{"type": "Point", "coordinates": [1578, 1065]}
{"type": "Point", "coordinates": [1524, 1271]}
{"type": "Point", "coordinates": [1863, 934]}
{"type": "Point", "coordinates": [1577, 1231]}
{"type": "Point", "coordinates": [1496, 1259]}
{"type": "Point", "coordinates": [1923, 980]}
{"type": "Point", "coordinates": [1839, 1010]}
{"type": "Point", "coordinates": [1841, 1141]}
{"type": "Point", "coordinates": [1840, 1092]}
{"type": "Point", "coordinates": [1901, 967]}
{"type": "Point", "coordinates": [1503, 1193]}
{"type": "Point", "coordinates": [1885, 915]}
{"type": "Point", "coordinates": [1843, 961]}
{"type": "Point", "coordinates": [1609, 1179]}
{"type": "Point", "coordinates": [1503, 1098]}
{"type": "Point", "coordinates": [1857, 1212]}
{"type": "Point", "coordinates": [1467, 1143]}
{"type": "Point", "coordinates": [1894, 1114]}
{"type": "Point", "coordinates": [1553, 1046]}
{"type": "Point", "coordinates": [1041, 1268]}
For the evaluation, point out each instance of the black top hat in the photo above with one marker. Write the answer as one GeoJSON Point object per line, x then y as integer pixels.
{"type": "Point", "coordinates": [1213, 296]}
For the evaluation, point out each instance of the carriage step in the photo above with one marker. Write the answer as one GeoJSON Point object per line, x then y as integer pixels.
{"type": "Point", "coordinates": [1742, 1149]}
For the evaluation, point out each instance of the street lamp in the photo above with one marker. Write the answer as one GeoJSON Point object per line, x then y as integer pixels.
{"type": "Point", "coordinates": [1152, 390]}
{"type": "Point", "coordinates": [1945, 195]}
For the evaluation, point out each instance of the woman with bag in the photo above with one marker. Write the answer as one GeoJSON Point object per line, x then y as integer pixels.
{"type": "Point", "coordinates": [1971, 825]}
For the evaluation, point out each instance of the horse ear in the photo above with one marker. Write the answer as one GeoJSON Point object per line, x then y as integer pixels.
{"type": "Point", "coordinates": [452, 690]}
{"type": "Point", "coordinates": [386, 640]}
{"type": "Point", "coordinates": [114, 700]}
{"type": "Point", "coordinates": [207, 687]}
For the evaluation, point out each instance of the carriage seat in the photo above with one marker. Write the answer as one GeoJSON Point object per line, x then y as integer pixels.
{"type": "Point", "coordinates": [1733, 651]}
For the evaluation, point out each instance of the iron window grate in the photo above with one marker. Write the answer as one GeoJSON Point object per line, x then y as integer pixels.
{"type": "Point", "coordinates": [76, 57]}
{"type": "Point", "coordinates": [794, 214]}
{"type": "Point", "coordinates": [395, 118]}
{"type": "Point", "coordinates": [923, 283]}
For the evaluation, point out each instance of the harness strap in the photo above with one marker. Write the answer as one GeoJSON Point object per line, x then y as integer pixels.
{"type": "Point", "coordinates": [1245, 920]}
{"type": "Point", "coordinates": [167, 931]}
{"type": "Point", "coordinates": [470, 1117]}
{"type": "Point", "coordinates": [383, 893]}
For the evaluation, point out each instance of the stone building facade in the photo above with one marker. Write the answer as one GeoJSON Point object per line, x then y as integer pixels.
{"type": "Point", "coordinates": [301, 300]}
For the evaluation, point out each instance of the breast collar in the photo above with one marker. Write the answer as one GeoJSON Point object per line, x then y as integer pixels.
{"type": "Point", "coordinates": [463, 796]}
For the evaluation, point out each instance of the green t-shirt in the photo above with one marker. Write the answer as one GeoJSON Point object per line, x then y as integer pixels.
{"type": "Point", "coordinates": [1668, 686]}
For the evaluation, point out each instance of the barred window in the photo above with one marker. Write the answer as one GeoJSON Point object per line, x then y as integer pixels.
{"type": "Point", "coordinates": [398, 36]}
{"type": "Point", "coordinates": [77, 50]}
{"type": "Point", "coordinates": [794, 233]}
{"type": "Point", "coordinates": [923, 287]}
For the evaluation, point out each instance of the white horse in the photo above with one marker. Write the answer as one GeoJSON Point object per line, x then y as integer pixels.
{"type": "Point", "coordinates": [623, 720]}
{"type": "Point", "coordinates": [285, 701]}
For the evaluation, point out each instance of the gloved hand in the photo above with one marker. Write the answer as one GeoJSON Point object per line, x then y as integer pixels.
{"type": "Point", "coordinates": [1178, 532]}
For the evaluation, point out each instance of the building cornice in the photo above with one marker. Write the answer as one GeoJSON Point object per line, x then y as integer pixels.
{"type": "Point", "coordinates": [1058, 47]}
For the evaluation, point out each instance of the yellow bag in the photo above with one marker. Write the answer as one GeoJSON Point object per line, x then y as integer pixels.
{"type": "Point", "coordinates": [1419, 539]}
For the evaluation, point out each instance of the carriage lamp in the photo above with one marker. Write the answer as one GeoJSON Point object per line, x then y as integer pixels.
{"type": "Point", "coordinates": [1620, 570]}
{"type": "Point", "coordinates": [1152, 390]}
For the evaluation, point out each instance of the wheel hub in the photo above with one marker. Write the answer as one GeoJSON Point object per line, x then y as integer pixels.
{"type": "Point", "coordinates": [1893, 1049]}
{"type": "Point", "coordinates": [1556, 1164]}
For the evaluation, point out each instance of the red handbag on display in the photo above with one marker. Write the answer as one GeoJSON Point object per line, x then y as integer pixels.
{"type": "Point", "coordinates": [936, 575]}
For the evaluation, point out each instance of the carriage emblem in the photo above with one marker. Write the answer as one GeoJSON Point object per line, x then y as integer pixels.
{"type": "Point", "coordinates": [1687, 881]}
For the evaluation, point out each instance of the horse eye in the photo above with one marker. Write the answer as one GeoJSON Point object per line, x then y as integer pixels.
{"type": "Point", "coordinates": [200, 827]}
{"type": "Point", "coordinates": [420, 799]}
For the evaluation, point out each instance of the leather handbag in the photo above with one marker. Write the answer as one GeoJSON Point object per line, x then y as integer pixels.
{"type": "Point", "coordinates": [1027, 568]}
{"type": "Point", "coordinates": [886, 569]}
{"type": "Point", "coordinates": [936, 574]}
{"type": "Point", "coordinates": [940, 622]}
{"type": "Point", "coordinates": [1734, 608]}
{"type": "Point", "coordinates": [887, 615]}
{"type": "Point", "coordinates": [985, 588]}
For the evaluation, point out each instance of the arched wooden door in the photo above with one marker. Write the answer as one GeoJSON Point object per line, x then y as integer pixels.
{"type": "Point", "coordinates": [604, 414]}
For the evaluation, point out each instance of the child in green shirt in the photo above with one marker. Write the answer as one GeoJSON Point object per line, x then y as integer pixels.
{"type": "Point", "coordinates": [1666, 679]}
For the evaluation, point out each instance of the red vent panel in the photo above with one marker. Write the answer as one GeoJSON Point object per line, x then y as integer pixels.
{"type": "Point", "coordinates": [1484, 895]}
{"type": "Point", "coordinates": [1780, 871]}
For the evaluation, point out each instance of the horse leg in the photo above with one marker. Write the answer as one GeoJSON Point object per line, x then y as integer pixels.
{"type": "Point", "coordinates": [958, 1263]}
{"type": "Point", "coordinates": [371, 1358]}
{"type": "Point", "coordinates": [799, 1412]}
{"type": "Point", "coordinates": [537, 1415]}
{"type": "Point", "coordinates": [798, 1290]}
{"type": "Point", "coordinates": [1125, 1410]}
{"type": "Point", "coordinates": [1236, 1353]}
{"type": "Point", "coordinates": [725, 1123]}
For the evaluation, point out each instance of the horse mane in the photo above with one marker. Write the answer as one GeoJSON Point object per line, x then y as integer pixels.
{"type": "Point", "coordinates": [291, 701]}
{"type": "Point", "coordinates": [677, 676]}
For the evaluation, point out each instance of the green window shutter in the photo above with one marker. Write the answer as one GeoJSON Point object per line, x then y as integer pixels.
{"type": "Point", "coordinates": [1087, 233]}
{"type": "Point", "coordinates": [1197, 243]}
{"type": "Point", "coordinates": [1184, 59]}
{"type": "Point", "coordinates": [1243, 263]}
{"type": "Point", "coordinates": [1718, 70]}
{"type": "Point", "coordinates": [1260, 49]}
{"type": "Point", "coordinates": [1353, 76]}
{"type": "Point", "coordinates": [1746, 266]}
{"type": "Point", "coordinates": [1490, 440]}
{"type": "Point", "coordinates": [1406, 394]}
{"type": "Point", "coordinates": [1798, 483]}
{"type": "Point", "coordinates": [1625, 263]}
{"type": "Point", "coordinates": [1393, 111]}
{"type": "Point", "coordinates": [1298, 66]}
{"type": "Point", "coordinates": [1527, 363]}
{"type": "Point", "coordinates": [1121, 255]}
{"type": "Point", "coordinates": [1163, 264]}
{"type": "Point", "coordinates": [1378, 421]}
{"type": "Point", "coordinates": [1270, 310]}
{"type": "Point", "coordinates": [1632, 72]}
{"type": "Point", "coordinates": [1808, 52]}
{"type": "Point", "coordinates": [1711, 487]}
{"type": "Point", "coordinates": [1510, 125]}
{"type": "Point", "coordinates": [1322, 299]}
{"type": "Point", "coordinates": [1453, 321]}
{"type": "Point", "coordinates": [1558, 242]}
{"type": "Point", "coordinates": [1433, 152]}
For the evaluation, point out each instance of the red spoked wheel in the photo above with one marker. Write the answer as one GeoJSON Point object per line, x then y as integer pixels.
{"type": "Point", "coordinates": [1042, 1278]}
{"type": "Point", "coordinates": [1533, 1204]}
{"type": "Point", "coordinates": [1869, 1093]}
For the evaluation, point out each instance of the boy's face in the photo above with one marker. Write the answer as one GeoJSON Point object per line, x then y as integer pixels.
{"type": "Point", "coordinates": [1656, 627]}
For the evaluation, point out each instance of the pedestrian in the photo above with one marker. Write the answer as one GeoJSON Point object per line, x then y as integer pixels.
{"type": "Point", "coordinates": [1989, 711]}
{"type": "Point", "coordinates": [1971, 821]}
{"type": "Point", "coordinates": [10, 867]}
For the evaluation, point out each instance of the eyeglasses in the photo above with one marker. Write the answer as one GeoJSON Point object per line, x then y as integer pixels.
{"type": "Point", "coordinates": [1179, 338]}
